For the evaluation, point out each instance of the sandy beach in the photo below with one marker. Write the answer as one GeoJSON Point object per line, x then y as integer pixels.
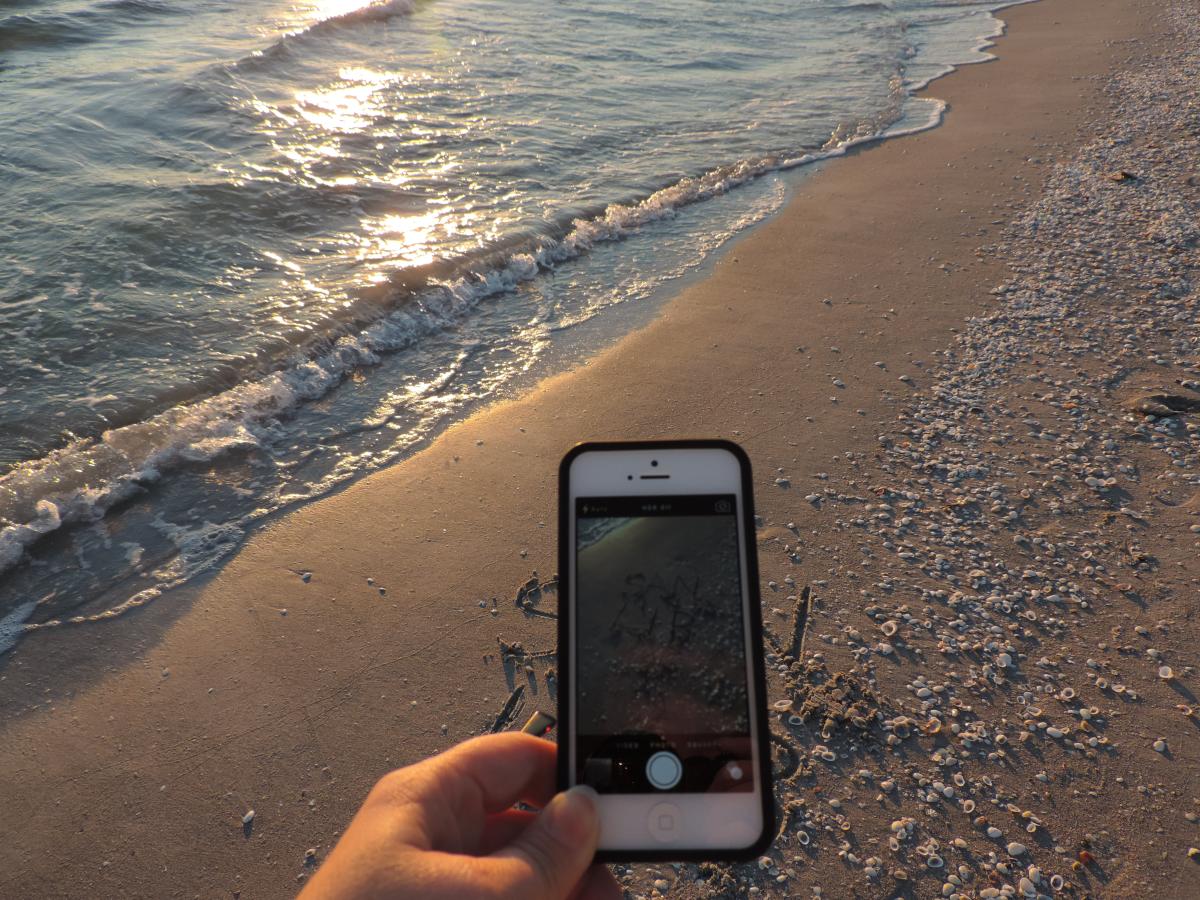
{"type": "Point", "coordinates": [961, 362]}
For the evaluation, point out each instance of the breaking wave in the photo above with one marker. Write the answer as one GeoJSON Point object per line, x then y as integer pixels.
{"type": "Point", "coordinates": [81, 482]}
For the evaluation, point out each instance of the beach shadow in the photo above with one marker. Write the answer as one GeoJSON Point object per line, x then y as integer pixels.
{"type": "Point", "coordinates": [1136, 599]}
{"type": "Point", "coordinates": [1117, 496]}
{"type": "Point", "coordinates": [509, 663]}
{"type": "Point", "coordinates": [508, 713]}
{"type": "Point", "coordinates": [1182, 691]}
{"type": "Point", "coordinates": [56, 663]}
{"type": "Point", "coordinates": [1093, 869]}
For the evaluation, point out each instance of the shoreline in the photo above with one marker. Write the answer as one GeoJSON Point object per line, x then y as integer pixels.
{"type": "Point", "coordinates": [237, 703]}
{"type": "Point", "coordinates": [81, 484]}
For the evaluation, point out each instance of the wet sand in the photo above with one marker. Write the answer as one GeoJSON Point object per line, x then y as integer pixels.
{"type": "Point", "coordinates": [362, 632]}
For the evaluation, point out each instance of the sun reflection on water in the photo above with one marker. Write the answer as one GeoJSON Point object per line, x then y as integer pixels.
{"type": "Point", "coordinates": [332, 9]}
{"type": "Point", "coordinates": [407, 240]}
{"type": "Point", "coordinates": [397, 212]}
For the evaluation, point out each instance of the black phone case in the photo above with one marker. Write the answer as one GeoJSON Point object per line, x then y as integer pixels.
{"type": "Point", "coordinates": [565, 686]}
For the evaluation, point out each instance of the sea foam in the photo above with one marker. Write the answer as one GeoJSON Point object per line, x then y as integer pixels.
{"type": "Point", "coordinates": [81, 482]}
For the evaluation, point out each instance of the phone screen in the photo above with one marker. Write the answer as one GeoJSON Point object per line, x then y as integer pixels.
{"type": "Point", "coordinates": [662, 700]}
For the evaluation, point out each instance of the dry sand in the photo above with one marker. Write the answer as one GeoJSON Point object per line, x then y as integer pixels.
{"type": "Point", "coordinates": [359, 633]}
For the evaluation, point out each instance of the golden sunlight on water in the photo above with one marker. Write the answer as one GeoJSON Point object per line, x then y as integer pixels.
{"type": "Point", "coordinates": [331, 9]}
{"type": "Point", "coordinates": [272, 198]}
{"type": "Point", "coordinates": [405, 240]}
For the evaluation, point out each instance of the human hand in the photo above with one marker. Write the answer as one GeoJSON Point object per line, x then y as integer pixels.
{"type": "Point", "coordinates": [445, 828]}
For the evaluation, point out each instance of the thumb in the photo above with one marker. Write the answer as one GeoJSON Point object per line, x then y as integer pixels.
{"type": "Point", "coordinates": [550, 857]}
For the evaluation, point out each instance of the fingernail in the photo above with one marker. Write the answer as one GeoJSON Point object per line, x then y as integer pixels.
{"type": "Point", "coordinates": [573, 815]}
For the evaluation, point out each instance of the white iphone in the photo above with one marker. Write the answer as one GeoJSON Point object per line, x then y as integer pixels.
{"type": "Point", "coordinates": [662, 702]}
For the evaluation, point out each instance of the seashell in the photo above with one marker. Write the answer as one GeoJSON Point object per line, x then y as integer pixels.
{"type": "Point", "coordinates": [889, 627]}
{"type": "Point", "coordinates": [1057, 882]}
{"type": "Point", "coordinates": [795, 720]}
{"type": "Point", "coordinates": [1067, 694]}
{"type": "Point", "coordinates": [803, 838]}
{"type": "Point", "coordinates": [994, 833]}
{"type": "Point", "coordinates": [1102, 683]}
{"type": "Point", "coordinates": [933, 726]}
{"type": "Point", "coordinates": [248, 817]}
{"type": "Point", "coordinates": [935, 861]}
{"type": "Point", "coordinates": [894, 844]}
{"type": "Point", "coordinates": [1160, 745]}
{"type": "Point", "coordinates": [968, 806]}
{"type": "Point", "coordinates": [1166, 673]}
{"type": "Point", "coordinates": [1015, 849]}
{"type": "Point", "coordinates": [782, 705]}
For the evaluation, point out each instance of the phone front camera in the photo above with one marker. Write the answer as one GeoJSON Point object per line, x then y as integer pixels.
{"type": "Point", "coordinates": [630, 477]}
{"type": "Point", "coordinates": [654, 462]}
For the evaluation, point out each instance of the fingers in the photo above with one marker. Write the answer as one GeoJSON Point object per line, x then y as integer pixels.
{"type": "Point", "coordinates": [503, 768]}
{"type": "Point", "coordinates": [456, 790]}
{"type": "Point", "coordinates": [501, 829]}
{"type": "Point", "coordinates": [548, 859]}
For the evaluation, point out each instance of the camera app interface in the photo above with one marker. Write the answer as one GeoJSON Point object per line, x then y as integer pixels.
{"type": "Point", "coordinates": [662, 702]}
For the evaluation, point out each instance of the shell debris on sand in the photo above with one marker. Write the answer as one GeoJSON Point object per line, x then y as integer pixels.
{"type": "Point", "coordinates": [996, 661]}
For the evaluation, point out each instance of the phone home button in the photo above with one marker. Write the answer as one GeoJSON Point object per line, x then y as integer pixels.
{"type": "Point", "coordinates": [664, 823]}
{"type": "Point", "coordinates": [664, 770]}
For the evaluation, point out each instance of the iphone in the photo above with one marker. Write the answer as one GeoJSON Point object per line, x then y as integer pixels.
{"type": "Point", "coordinates": [661, 688]}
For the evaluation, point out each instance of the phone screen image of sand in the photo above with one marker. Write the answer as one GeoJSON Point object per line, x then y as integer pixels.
{"type": "Point", "coordinates": [661, 658]}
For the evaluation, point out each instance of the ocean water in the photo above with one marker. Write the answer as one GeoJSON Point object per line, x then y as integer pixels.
{"type": "Point", "coordinates": [250, 250]}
